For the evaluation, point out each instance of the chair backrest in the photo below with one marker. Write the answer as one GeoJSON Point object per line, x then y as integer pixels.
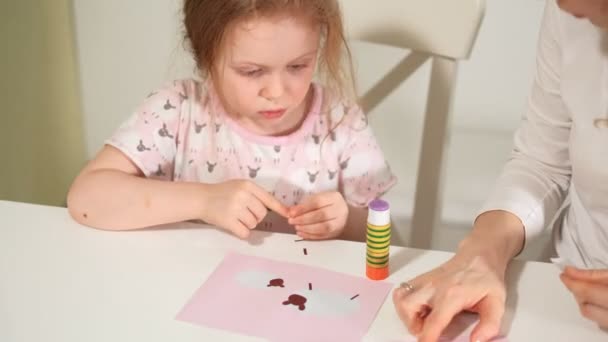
{"type": "Point", "coordinates": [440, 27]}
{"type": "Point", "coordinates": [443, 31]}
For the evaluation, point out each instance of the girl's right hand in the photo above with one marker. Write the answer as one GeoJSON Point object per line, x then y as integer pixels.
{"type": "Point", "coordinates": [238, 206]}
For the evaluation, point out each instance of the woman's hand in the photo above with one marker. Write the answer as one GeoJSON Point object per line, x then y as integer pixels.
{"type": "Point", "coordinates": [461, 284]}
{"type": "Point", "coordinates": [473, 280]}
{"type": "Point", "coordinates": [590, 288]}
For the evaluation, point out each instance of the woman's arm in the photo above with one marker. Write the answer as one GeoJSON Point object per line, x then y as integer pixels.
{"type": "Point", "coordinates": [535, 181]}
{"type": "Point", "coordinates": [496, 238]}
{"type": "Point", "coordinates": [528, 194]}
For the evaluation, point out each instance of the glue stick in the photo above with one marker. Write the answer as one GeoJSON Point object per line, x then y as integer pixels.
{"type": "Point", "coordinates": [378, 240]}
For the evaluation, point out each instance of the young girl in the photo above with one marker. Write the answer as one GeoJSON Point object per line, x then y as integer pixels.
{"type": "Point", "coordinates": [257, 135]}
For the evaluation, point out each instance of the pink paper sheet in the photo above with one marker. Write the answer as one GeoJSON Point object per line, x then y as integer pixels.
{"type": "Point", "coordinates": [284, 301]}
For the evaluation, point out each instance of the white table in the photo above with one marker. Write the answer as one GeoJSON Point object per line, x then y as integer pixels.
{"type": "Point", "coordinates": [60, 281]}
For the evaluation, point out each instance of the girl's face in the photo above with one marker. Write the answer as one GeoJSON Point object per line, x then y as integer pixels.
{"type": "Point", "coordinates": [594, 10]}
{"type": "Point", "coordinates": [265, 69]}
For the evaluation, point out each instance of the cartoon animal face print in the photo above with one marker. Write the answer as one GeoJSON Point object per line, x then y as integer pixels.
{"type": "Point", "coordinates": [296, 300]}
{"type": "Point", "coordinates": [141, 147]}
{"type": "Point", "coordinates": [164, 132]}
{"type": "Point", "coordinates": [159, 172]}
{"type": "Point", "coordinates": [316, 139]}
{"type": "Point", "coordinates": [146, 116]}
{"type": "Point", "coordinates": [211, 167]}
{"type": "Point", "coordinates": [312, 177]}
{"type": "Point", "coordinates": [168, 105]}
{"type": "Point", "coordinates": [344, 164]}
{"type": "Point", "coordinates": [297, 196]}
{"type": "Point", "coordinates": [276, 283]}
{"type": "Point", "coordinates": [183, 97]}
{"type": "Point", "coordinates": [361, 124]}
{"type": "Point", "coordinates": [332, 174]}
{"type": "Point", "coordinates": [198, 128]}
{"type": "Point", "coordinates": [253, 173]}
{"type": "Point", "coordinates": [277, 148]}
{"type": "Point", "coordinates": [217, 127]}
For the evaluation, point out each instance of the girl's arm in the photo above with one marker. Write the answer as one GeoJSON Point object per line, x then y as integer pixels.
{"type": "Point", "coordinates": [112, 193]}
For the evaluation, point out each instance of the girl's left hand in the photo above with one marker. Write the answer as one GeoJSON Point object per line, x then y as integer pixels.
{"type": "Point", "coordinates": [320, 216]}
{"type": "Point", "coordinates": [590, 288]}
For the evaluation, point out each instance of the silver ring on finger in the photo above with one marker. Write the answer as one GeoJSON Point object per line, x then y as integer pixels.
{"type": "Point", "coordinates": [407, 286]}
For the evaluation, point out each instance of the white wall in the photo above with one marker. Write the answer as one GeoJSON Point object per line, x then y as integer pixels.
{"type": "Point", "coordinates": [127, 48]}
{"type": "Point", "coordinates": [494, 84]}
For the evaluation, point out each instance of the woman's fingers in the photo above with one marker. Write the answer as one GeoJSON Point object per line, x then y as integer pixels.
{"type": "Point", "coordinates": [412, 306]}
{"type": "Point", "coordinates": [491, 311]}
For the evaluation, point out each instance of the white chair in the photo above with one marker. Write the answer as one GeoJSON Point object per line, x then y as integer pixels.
{"type": "Point", "coordinates": [443, 31]}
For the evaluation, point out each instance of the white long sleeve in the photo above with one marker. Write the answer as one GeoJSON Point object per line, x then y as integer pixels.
{"type": "Point", "coordinates": [558, 151]}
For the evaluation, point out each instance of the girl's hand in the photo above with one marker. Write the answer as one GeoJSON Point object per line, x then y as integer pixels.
{"type": "Point", "coordinates": [320, 216]}
{"type": "Point", "coordinates": [590, 288]}
{"type": "Point", "coordinates": [238, 206]}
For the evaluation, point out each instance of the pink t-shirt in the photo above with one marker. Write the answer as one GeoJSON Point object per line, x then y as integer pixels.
{"type": "Point", "coordinates": [182, 133]}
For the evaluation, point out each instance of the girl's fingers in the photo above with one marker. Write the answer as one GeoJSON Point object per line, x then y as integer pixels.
{"type": "Point", "coordinates": [240, 230]}
{"type": "Point", "coordinates": [268, 200]}
{"type": "Point", "coordinates": [319, 229]}
{"type": "Point", "coordinates": [312, 217]}
{"type": "Point", "coordinates": [258, 210]}
{"type": "Point", "coordinates": [306, 236]}
{"type": "Point", "coordinates": [310, 203]}
{"type": "Point", "coordinates": [248, 219]}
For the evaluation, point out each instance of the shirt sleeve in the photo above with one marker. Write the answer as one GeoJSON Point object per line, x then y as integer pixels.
{"type": "Point", "coordinates": [535, 180]}
{"type": "Point", "coordinates": [149, 137]}
{"type": "Point", "coordinates": [365, 174]}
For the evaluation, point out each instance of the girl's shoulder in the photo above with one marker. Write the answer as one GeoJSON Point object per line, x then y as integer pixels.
{"type": "Point", "coordinates": [344, 113]}
{"type": "Point", "coordinates": [179, 96]}
{"type": "Point", "coordinates": [189, 89]}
